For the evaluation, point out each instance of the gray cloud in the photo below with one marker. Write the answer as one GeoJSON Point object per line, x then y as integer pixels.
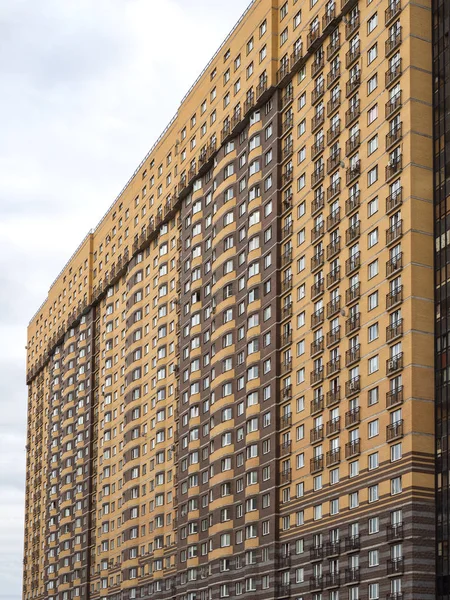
{"type": "Point", "coordinates": [86, 87]}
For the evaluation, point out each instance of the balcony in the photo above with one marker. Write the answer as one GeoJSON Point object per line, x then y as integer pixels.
{"type": "Point", "coordinates": [333, 427]}
{"type": "Point", "coordinates": [333, 76]}
{"type": "Point", "coordinates": [393, 105]}
{"type": "Point", "coordinates": [351, 26]}
{"type": "Point", "coordinates": [333, 277]}
{"type": "Point", "coordinates": [353, 54]}
{"type": "Point", "coordinates": [286, 393]}
{"type": "Point", "coordinates": [316, 464]}
{"type": "Point", "coordinates": [394, 330]}
{"type": "Point", "coordinates": [287, 98]}
{"type": "Point", "coordinates": [353, 323]}
{"type": "Point", "coordinates": [317, 176]}
{"type": "Point", "coordinates": [334, 336]}
{"type": "Point", "coordinates": [394, 532]}
{"type": "Point", "coordinates": [395, 596]}
{"type": "Point", "coordinates": [352, 203]}
{"type": "Point", "coordinates": [287, 177]}
{"type": "Point", "coordinates": [288, 150]}
{"type": "Point", "coordinates": [393, 42]}
{"type": "Point", "coordinates": [318, 203]}
{"type": "Point", "coordinates": [395, 6]}
{"type": "Point", "coordinates": [353, 386]}
{"type": "Point", "coordinates": [317, 435]}
{"type": "Point", "coordinates": [328, 17]}
{"type": "Point", "coordinates": [333, 306]}
{"type": "Point", "coordinates": [317, 346]}
{"type": "Point", "coordinates": [352, 417]}
{"type": "Point", "coordinates": [287, 200]}
{"type": "Point", "coordinates": [353, 293]}
{"type": "Point", "coordinates": [286, 284]}
{"type": "Point", "coordinates": [333, 248]}
{"type": "Point", "coordinates": [317, 93]}
{"type": "Point", "coordinates": [394, 364]}
{"type": "Point", "coordinates": [317, 121]}
{"type": "Point", "coordinates": [287, 124]}
{"type": "Point", "coordinates": [286, 421]}
{"type": "Point", "coordinates": [353, 172]}
{"type": "Point", "coordinates": [394, 233]}
{"type": "Point", "coordinates": [334, 190]}
{"type": "Point", "coordinates": [352, 542]}
{"type": "Point", "coordinates": [395, 565]}
{"type": "Point", "coordinates": [286, 448]}
{"type": "Point", "coordinates": [316, 376]}
{"type": "Point", "coordinates": [394, 397]}
{"type": "Point", "coordinates": [332, 549]}
{"type": "Point", "coordinates": [352, 143]}
{"type": "Point", "coordinates": [286, 257]}
{"type": "Point", "coordinates": [353, 83]}
{"type": "Point", "coordinates": [333, 161]}
{"type": "Point", "coordinates": [333, 366]}
{"type": "Point", "coordinates": [333, 133]}
{"type": "Point", "coordinates": [334, 219]}
{"type": "Point", "coordinates": [286, 311]}
{"type": "Point", "coordinates": [316, 405]}
{"type": "Point", "coordinates": [333, 397]}
{"type": "Point", "coordinates": [286, 367]}
{"type": "Point", "coordinates": [261, 87]}
{"type": "Point", "coordinates": [286, 338]}
{"type": "Point", "coordinates": [332, 580]}
{"type": "Point", "coordinates": [352, 113]}
{"type": "Point", "coordinates": [284, 590]}
{"type": "Point", "coordinates": [394, 297]}
{"type": "Point", "coordinates": [316, 552]}
{"type": "Point", "coordinates": [296, 56]}
{"type": "Point", "coordinates": [317, 318]}
{"type": "Point", "coordinates": [394, 200]}
{"type": "Point", "coordinates": [286, 476]}
{"type": "Point", "coordinates": [353, 232]}
{"type": "Point", "coordinates": [353, 263]}
{"type": "Point", "coordinates": [317, 261]}
{"type": "Point", "coordinates": [317, 232]}
{"type": "Point", "coordinates": [352, 575]}
{"type": "Point", "coordinates": [333, 47]}
{"type": "Point", "coordinates": [352, 449]}
{"type": "Point", "coordinates": [394, 167]}
{"type": "Point", "coordinates": [317, 65]}
{"type": "Point", "coordinates": [317, 148]}
{"type": "Point", "coordinates": [394, 136]}
{"type": "Point", "coordinates": [312, 37]}
{"type": "Point", "coordinates": [282, 71]}
{"type": "Point", "coordinates": [315, 583]}
{"type": "Point", "coordinates": [353, 355]}
{"type": "Point", "coordinates": [394, 265]}
{"type": "Point", "coordinates": [286, 230]}
{"type": "Point", "coordinates": [393, 73]}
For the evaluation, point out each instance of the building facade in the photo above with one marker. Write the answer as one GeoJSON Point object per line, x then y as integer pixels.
{"type": "Point", "coordinates": [232, 382]}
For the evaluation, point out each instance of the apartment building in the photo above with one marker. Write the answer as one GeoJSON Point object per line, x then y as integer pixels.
{"type": "Point", "coordinates": [234, 385]}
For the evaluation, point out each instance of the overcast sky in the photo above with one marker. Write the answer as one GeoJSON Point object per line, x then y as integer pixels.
{"type": "Point", "coordinates": [86, 87]}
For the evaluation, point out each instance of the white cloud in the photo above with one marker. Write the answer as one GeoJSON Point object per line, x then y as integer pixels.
{"type": "Point", "coordinates": [86, 89]}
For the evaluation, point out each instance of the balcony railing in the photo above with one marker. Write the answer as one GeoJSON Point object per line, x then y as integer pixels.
{"type": "Point", "coordinates": [316, 376]}
{"type": "Point", "coordinates": [394, 265]}
{"type": "Point", "coordinates": [333, 457]}
{"type": "Point", "coordinates": [353, 54]}
{"type": "Point", "coordinates": [333, 190]}
{"type": "Point", "coordinates": [286, 366]}
{"type": "Point", "coordinates": [394, 136]}
{"type": "Point", "coordinates": [287, 98]}
{"type": "Point", "coordinates": [317, 405]}
{"type": "Point", "coordinates": [395, 565]}
{"type": "Point", "coordinates": [353, 83]}
{"type": "Point", "coordinates": [352, 448]}
{"type": "Point", "coordinates": [353, 263]}
{"type": "Point", "coordinates": [318, 203]}
{"type": "Point", "coordinates": [317, 176]}
{"type": "Point", "coordinates": [316, 435]}
{"type": "Point", "coordinates": [353, 386]}
{"type": "Point", "coordinates": [394, 297]}
{"type": "Point", "coordinates": [394, 364]}
{"type": "Point", "coordinates": [318, 120]}
{"type": "Point", "coordinates": [352, 203]}
{"type": "Point", "coordinates": [394, 330]}
{"type": "Point", "coordinates": [334, 218]}
{"type": "Point", "coordinates": [393, 42]}
{"type": "Point", "coordinates": [394, 532]}
{"type": "Point", "coordinates": [286, 311]}
{"type": "Point", "coordinates": [333, 76]}
{"type": "Point", "coordinates": [296, 56]}
{"type": "Point", "coordinates": [286, 420]}
{"type": "Point", "coordinates": [333, 161]}
{"type": "Point", "coordinates": [352, 417]}
{"type": "Point", "coordinates": [286, 393]}
{"type": "Point", "coordinates": [352, 542]}
{"type": "Point", "coordinates": [312, 37]}
{"type": "Point", "coordinates": [317, 260]}
{"type": "Point", "coordinates": [317, 148]}
{"type": "Point", "coordinates": [394, 397]}
{"type": "Point", "coordinates": [333, 306]}
{"type": "Point", "coordinates": [328, 17]}
{"type": "Point", "coordinates": [352, 113]}
{"type": "Point", "coordinates": [333, 47]}
{"type": "Point", "coordinates": [334, 336]}
{"type": "Point", "coordinates": [332, 579]}
{"type": "Point", "coordinates": [351, 26]}
{"type": "Point", "coordinates": [352, 355]}
{"type": "Point", "coordinates": [287, 124]}
{"type": "Point", "coordinates": [333, 277]}
{"type": "Point", "coordinates": [334, 426]}
{"type": "Point", "coordinates": [332, 549]}
{"type": "Point", "coordinates": [333, 397]}
{"type": "Point", "coordinates": [333, 366]}
{"type": "Point", "coordinates": [394, 200]}
{"type": "Point", "coordinates": [353, 293]}
{"type": "Point", "coordinates": [394, 8]}
{"type": "Point", "coordinates": [282, 71]}
{"type": "Point", "coordinates": [352, 143]}
{"type": "Point", "coordinates": [317, 231]}
{"type": "Point", "coordinates": [333, 132]}
{"type": "Point", "coordinates": [317, 346]}
{"type": "Point", "coordinates": [353, 172]}
{"type": "Point", "coordinates": [286, 257]}
{"type": "Point", "coordinates": [393, 168]}
{"type": "Point", "coordinates": [393, 104]}
{"type": "Point", "coordinates": [393, 73]}
{"type": "Point", "coordinates": [394, 233]}
{"type": "Point", "coordinates": [317, 317]}
{"type": "Point", "coordinates": [352, 575]}
{"type": "Point", "coordinates": [261, 87]}
{"type": "Point", "coordinates": [316, 464]}
{"type": "Point", "coordinates": [317, 93]}
{"type": "Point", "coordinates": [317, 65]}
{"type": "Point", "coordinates": [316, 552]}
{"type": "Point", "coordinates": [333, 248]}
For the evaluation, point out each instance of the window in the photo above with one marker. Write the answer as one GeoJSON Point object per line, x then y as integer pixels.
{"type": "Point", "coordinates": [373, 332]}
{"type": "Point", "coordinates": [373, 493]}
{"type": "Point", "coordinates": [372, 53]}
{"type": "Point", "coordinates": [372, 84]}
{"type": "Point", "coordinates": [372, 145]}
{"type": "Point", "coordinates": [372, 176]}
{"type": "Point", "coordinates": [262, 28]}
{"type": "Point", "coordinates": [372, 207]}
{"type": "Point", "coordinates": [373, 300]}
{"type": "Point", "coordinates": [372, 238]}
{"type": "Point", "coordinates": [372, 114]}
{"type": "Point", "coordinates": [373, 269]}
{"type": "Point", "coordinates": [297, 19]}
{"type": "Point", "coordinates": [373, 461]}
{"type": "Point", "coordinates": [396, 485]}
{"type": "Point", "coordinates": [374, 591]}
{"type": "Point", "coordinates": [374, 525]}
{"type": "Point", "coordinates": [372, 23]}
{"type": "Point", "coordinates": [373, 364]}
{"type": "Point", "coordinates": [373, 428]}
{"type": "Point", "coordinates": [396, 452]}
{"type": "Point", "coordinates": [283, 36]}
{"type": "Point", "coordinates": [374, 558]}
